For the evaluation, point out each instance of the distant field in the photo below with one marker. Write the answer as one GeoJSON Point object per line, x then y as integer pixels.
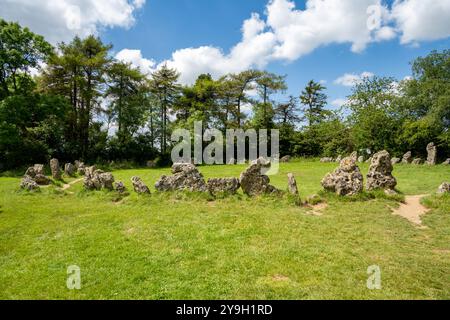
{"type": "Point", "coordinates": [189, 246]}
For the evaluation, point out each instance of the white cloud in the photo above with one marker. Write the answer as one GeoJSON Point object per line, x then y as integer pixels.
{"type": "Point", "coordinates": [285, 33]}
{"type": "Point", "coordinates": [421, 20]}
{"type": "Point", "coordinates": [337, 103]}
{"type": "Point", "coordinates": [63, 19]}
{"type": "Point", "coordinates": [136, 59]}
{"type": "Point", "coordinates": [350, 79]}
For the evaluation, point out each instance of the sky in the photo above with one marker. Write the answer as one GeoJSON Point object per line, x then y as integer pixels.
{"type": "Point", "coordinates": [336, 42]}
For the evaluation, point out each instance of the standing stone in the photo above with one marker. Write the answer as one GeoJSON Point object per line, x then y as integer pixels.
{"type": "Point", "coordinates": [39, 169]}
{"type": "Point", "coordinates": [232, 161]}
{"type": "Point", "coordinates": [285, 159]}
{"type": "Point", "coordinates": [369, 160]}
{"type": "Point", "coordinates": [223, 185]}
{"type": "Point", "coordinates": [151, 164]}
{"type": "Point", "coordinates": [120, 187]}
{"type": "Point", "coordinates": [139, 186]}
{"type": "Point", "coordinates": [417, 161]}
{"type": "Point", "coordinates": [29, 184]}
{"type": "Point", "coordinates": [361, 159]}
{"type": "Point", "coordinates": [56, 171]}
{"type": "Point", "coordinates": [446, 162]}
{"type": "Point", "coordinates": [338, 159]}
{"type": "Point", "coordinates": [395, 161]}
{"type": "Point", "coordinates": [380, 172]}
{"type": "Point", "coordinates": [407, 158]}
{"type": "Point", "coordinates": [37, 176]}
{"type": "Point", "coordinates": [346, 180]}
{"type": "Point", "coordinates": [444, 188]}
{"type": "Point", "coordinates": [432, 154]}
{"type": "Point", "coordinates": [327, 159]}
{"type": "Point", "coordinates": [254, 182]}
{"type": "Point", "coordinates": [106, 181]}
{"type": "Point", "coordinates": [69, 170]}
{"type": "Point", "coordinates": [292, 185]}
{"type": "Point", "coordinates": [185, 177]}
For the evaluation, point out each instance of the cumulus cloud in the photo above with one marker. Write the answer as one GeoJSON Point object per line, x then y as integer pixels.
{"type": "Point", "coordinates": [421, 20]}
{"type": "Point", "coordinates": [63, 19]}
{"type": "Point", "coordinates": [350, 79]}
{"type": "Point", "coordinates": [337, 103]}
{"type": "Point", "coordinates": [284, 33]}
{"type": "Point", "coordinates": [136, 59]}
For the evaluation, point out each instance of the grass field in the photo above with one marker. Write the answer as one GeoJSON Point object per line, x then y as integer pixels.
{"type": "Point", "coordinates": [181, 246]}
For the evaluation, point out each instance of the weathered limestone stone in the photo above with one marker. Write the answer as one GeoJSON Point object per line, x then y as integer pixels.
{"type": "Point", "coordinates": [346, 180]}
{"type": "Point", "coordinates": [292, 184]}
{"type": "Point", "coordinates": [432, 154]}
{"type": "Point", "coordinates": [407, 157]}
{"type": "Point", "coordinates": [325, 160]}
{"type": "Point", "coordinates": [338, 159]}
{"type": "Point", "coordinates": [80, 167]}
{"type": "Point", "coordinates": [38, 178]}
{"type": "Point", "coordinates": [39, 169]}
{"type": "Point", "coordinates": [446, 162]}
{"type": "Point", "coordinates": [56, 171]}
{"type": "Point", "coordinates": [417, 161]}
{"type": "Point", "coordinates": [380, 172]}
{"type": "Point", "coordinates": [223, 185]}
{"type": "Point", "coordinates": [30, 172]}
{"type": "Point", "coordinates": [369, 160]}
{"type": "Point", "coordinates": [185, 177]}
{"type": "Point", "coordinates": [444, 188]}
{"type": "Point", "coordinates": [89, 171]}
{"type": "Point", "coordinates": [151, 164]}
{"type": "Point", "coordinates": [29, 184]}
{"type": "Point", "coordinates": [106, 181]}
{"type": "Point", "coordinates": [285, 159]}
{"type": "Point", "coordinates": [361, 159]}
{"type": "Point", "coordinates": [120, 187]}
{"type": "Point", "coordinates": [69, 170]}
{"type": "Point", "coordinates": [395, 161]}
{"type": "Point", "coordinates": [98, 179]}
{"type": "Point", "coordinates": [232, 161]}
{"type": "Point", "coordinates": [139, 186]}
{"type": "Point", "coordinates": [254, 182]}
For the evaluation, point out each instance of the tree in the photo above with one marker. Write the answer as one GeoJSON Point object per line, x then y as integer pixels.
{"type": "Point", "coordinates": [126, 96]}
{"type": "Point", "coordinates": [20, 50]}
{"type": "Point", "coordinates": [425, 102]}
{"type": "Point", "coordinates": [78, 73]}
{"type": "Point", "coordinates": [240, 83]}
{"type": "Point", "coordinates": [267, 84]}
{"type": "Point", "coordinates": [374, 118]}
{"type": "Point", "coordinates": [315, 101]}
{"type": "Point", "coordinates": [164, 86]}
{"type": "Point", "coordinates": [286, 113]}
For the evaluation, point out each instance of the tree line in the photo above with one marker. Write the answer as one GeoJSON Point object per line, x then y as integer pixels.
{"type": "Point", "coordinates": [85, 104]}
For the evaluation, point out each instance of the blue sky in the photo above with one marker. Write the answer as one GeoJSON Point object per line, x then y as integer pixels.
{"type": "Point", "coordinates": [303, 39]}
{"type": "Point", "coordinates": [162, 27]}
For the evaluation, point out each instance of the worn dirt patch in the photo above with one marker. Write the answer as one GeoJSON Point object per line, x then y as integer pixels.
{"type": "Point", "coordinates": [68, 185]}
{"type": "Point", "coordinates": [412, 209]}
{"type": "Point", "coordinates": [317, 209]}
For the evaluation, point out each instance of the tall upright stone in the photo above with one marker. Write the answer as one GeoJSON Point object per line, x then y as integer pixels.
{"type": "Point", "coordinates": [380, 172]}
{"type": "Point", "coordinates": [254, 182]}
{"type": "Point", "coordinates": [56, 170]}
{"type": "Point", "coordinates": [346, 180]}
{"type": "Point", "coordinates": [292, 184]}
{"type": "Point", "coordinates": [432, 154]}
{"type": "Point", "coordinates": [407, 158]}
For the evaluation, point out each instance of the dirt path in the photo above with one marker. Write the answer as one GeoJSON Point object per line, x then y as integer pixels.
{"type": "Point", "coordinates": [68, 185]}
{"type": "Point", "coordinates": [317, 210]}
{"type": "Point", "coordinates": [412, 209]}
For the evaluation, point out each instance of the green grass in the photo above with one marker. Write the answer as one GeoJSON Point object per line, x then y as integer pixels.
{"type": "Point", "coordinates": [189, 246]}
